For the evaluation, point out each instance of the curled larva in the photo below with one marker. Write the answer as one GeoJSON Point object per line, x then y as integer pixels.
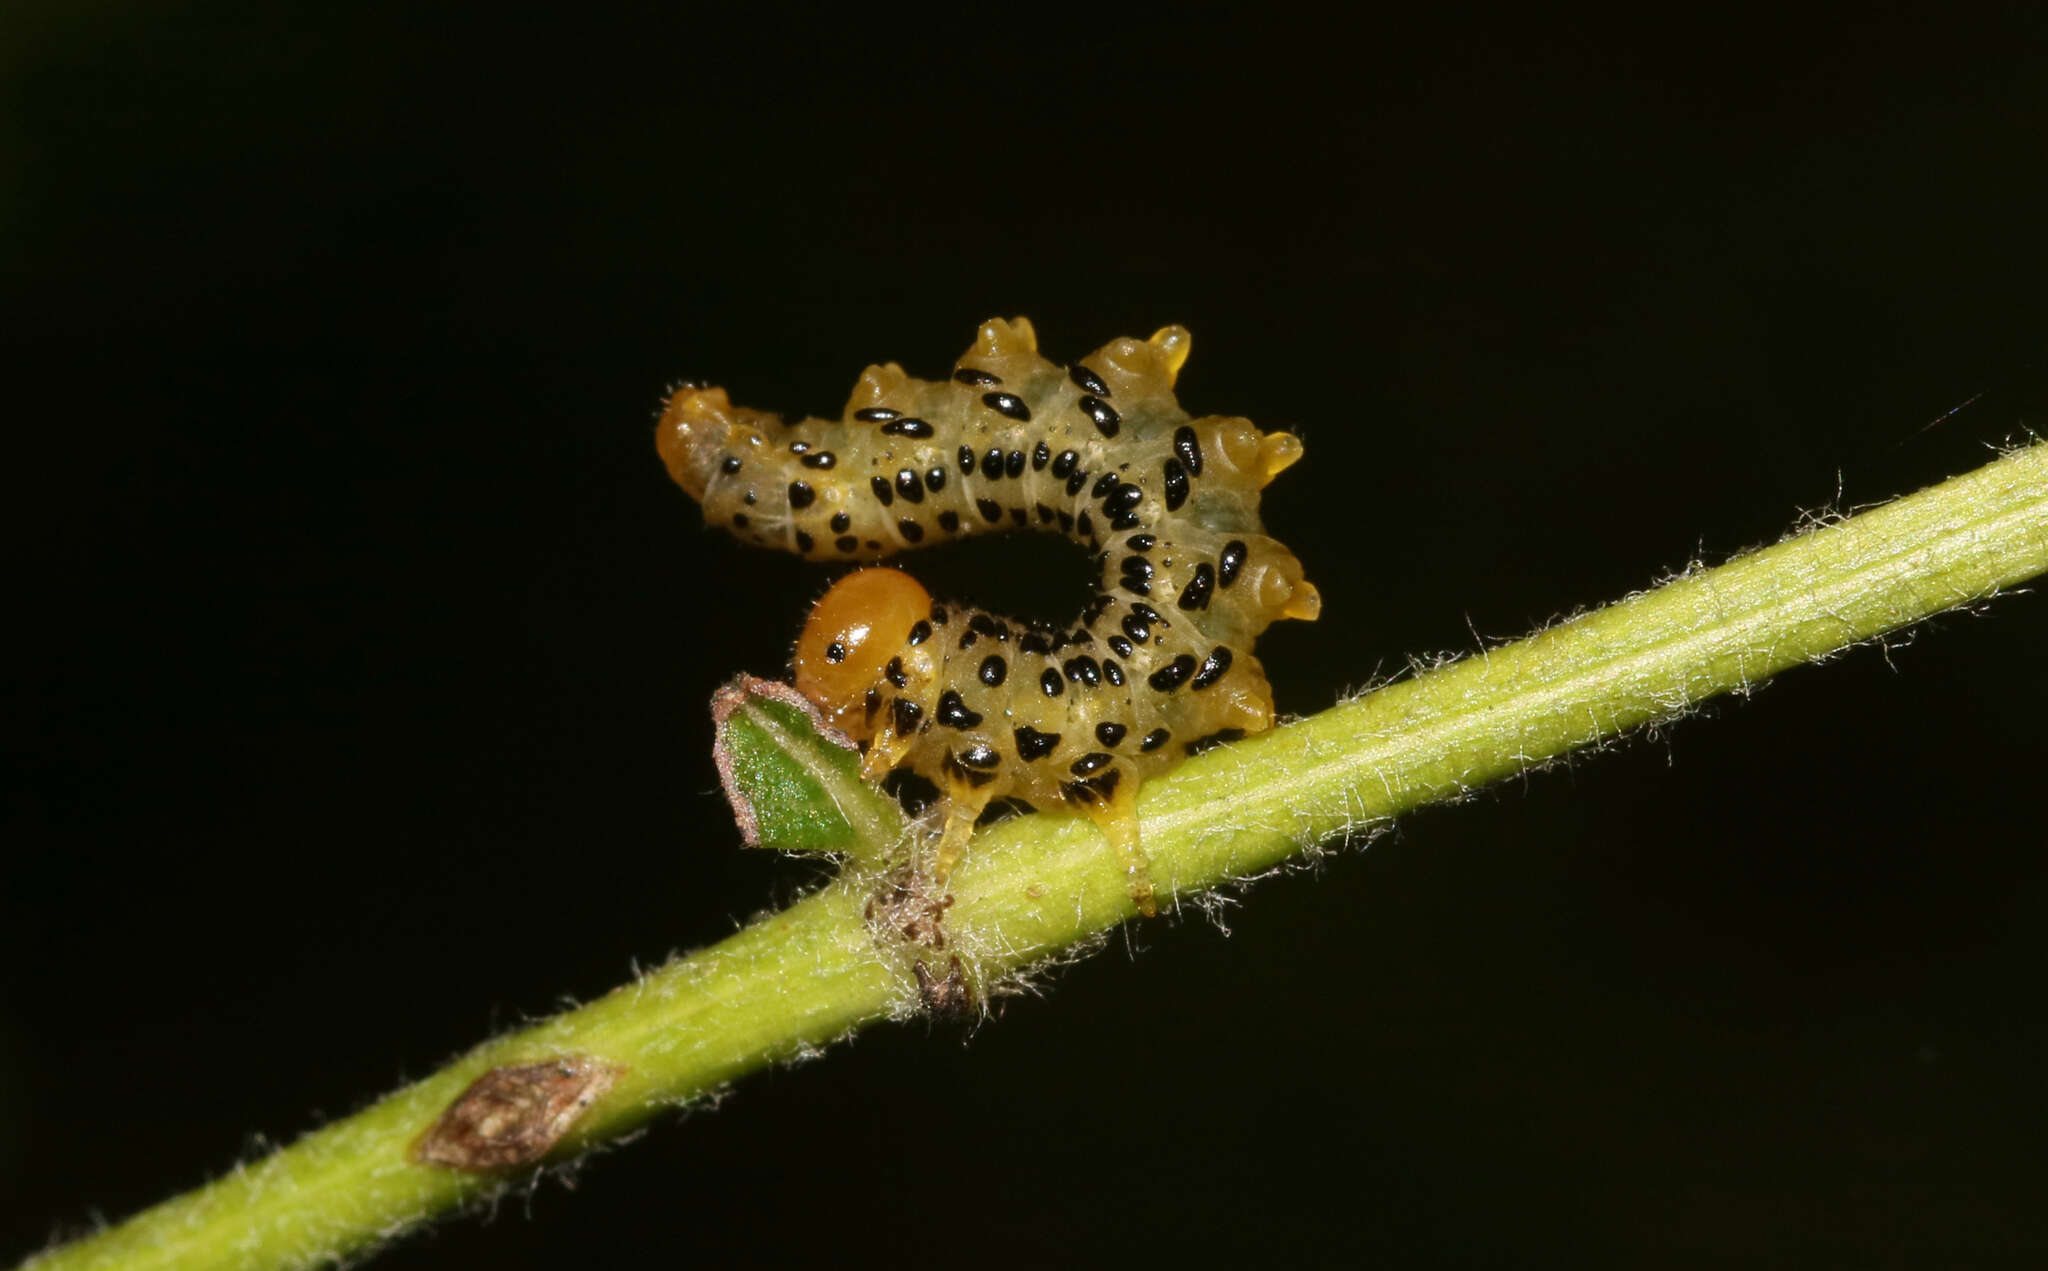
{"type": "Point", "coordinates": [1159, 666]}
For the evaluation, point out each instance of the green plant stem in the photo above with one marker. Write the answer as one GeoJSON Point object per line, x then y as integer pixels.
{"type": "Point", "coordinates": [1036, 886]}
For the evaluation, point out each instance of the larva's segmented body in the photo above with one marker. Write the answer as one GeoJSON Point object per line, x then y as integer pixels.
{"type": "Point", "coordinates": [1160, 664]}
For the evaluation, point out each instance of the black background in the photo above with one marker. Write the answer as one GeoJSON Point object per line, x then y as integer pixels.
{"type": "Point", "coordinates": [358, 709]}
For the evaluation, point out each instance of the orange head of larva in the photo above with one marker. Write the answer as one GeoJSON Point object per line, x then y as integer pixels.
{"type": "Point", "coordinates": [696, 425]}
{"type": "Point", "coordinates": [859, 624]}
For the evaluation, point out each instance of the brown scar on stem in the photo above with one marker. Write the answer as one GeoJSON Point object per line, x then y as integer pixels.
{"type": "Point", "coordinates": [513, 1115]}
{"type": "Point", "coordinates": [946, 997]}
{"type": "Point", "coordinates": [727, 702]}
{"type": "Point", "coordinates": [903, 905]}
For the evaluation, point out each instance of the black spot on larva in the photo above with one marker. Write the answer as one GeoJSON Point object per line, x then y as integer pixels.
{"type": "Point", "coordinates": [1137, 628]}
{"type": "Point", "coordinates": [1201, 744]}
{"type": "Point", "coordinates": [968, 639]}
{"type": "Point", "coordinates": [980, 755]}
{"type": "Point", "coordinates": [1086, 526]}
{"type": "Point", "coordinates": [1041, 454]}
{"type": "Point", "coordinates": [953, 712]}
{"type": "Point", "coordinates": [1087, 380]}
{"type": "Point", "coordinates": [1083, 670]}
{"type": "Point", "coordinates": [874, 544]}
{"type": "Point", "coordinates": [1044, 512]}
{"type": "Point", "coordinates": [801, 495]}
{"type": "Point", "coordinates": [1050, 683]}
{"type": "Point", "coordinates": [804, 542]}
{"type": "Point", "coordinates": [874, 702]}
{"type": "Point", "coordinates": [909, 486]}
{"type": "Point", "coordinates": [749, 500]}
{"type": "Point", "coordinates": [1142, 542]}
{"type": "Point", "coordinates": [1091, 790]}
{"type": "Point", "coordinates": [1101, 414]}
{"type": "Point", "coordinates": [1176, 484]}
{"type": "Point", "coordinates": [835, 652]}
{"type": "Point", "coordinates": [1066, 521]}
{"type": "Point", "coordinates": [1109, 734]}
{"type": "Point", "coordinates": [819, 459]}
{"type": "Point", "coordinates": [919, 634]}
{"type": "Point", "coordinates": [739, 520]}
{"type": "Point", "coordinates": [1019, 517]}
{"type": "Point", "coordinates": [992, 464]}
{"type": "Point", "coordinates": [1076, 481]}
{"type": "Point", "coordinates": [1230, 562]}
{"type": "Point", "coordinates": [894, 673]}
{"type": "Point", "coordinates": [911, 531]}
{"type": "Point", "coordinates": [1196, 594]}
{"type": "Point", "coordinates": [939, 614]}
{"type": "Point", "coordinates": [1122, 646]}
{"type": "Point", "coordinates": [966, 460]}
{"type": "Point", "coordinates": [955, 766]}
{"type": "Point", "coordinates": [1121, 500]}
{"type": "Point", "coordinates": [1189, 448]}
{"type": "Point", "coordinates": [1149, 614]}
{"type": "Point", "coordinates": [1112, 672]}
{"type": "Point", "coordinates": [1135, 584]}
{"type": "Point", "coordinates": [1137, 566]}
{"type": "Point", "coordinates": [1174, 674]}
{"type": "Point", "coordinates": [1032, 744]}
{"type": "Point", "coordinates": [1105, 485]}
{"type": "Point", "coordinates": [1063, 466]}
{"type": "Point", "coordinates": [1213, 668]}
{"type": "Point", "coordinates": [908, 428]}
{"type": "Point", "coordinates": [949, 521]}
{"type": "Point", "coordinates": [991, 511]}
{"type": "Point", "coordinates": [1034, 642]}
{"type": "Point", "coordinates": [1014, 465]}
{"type": "Point", "coordinates": [974, 377]}
{"type": "Point", "coordinates": [841, 522]}
{"type": "Point", "coordinates": [880, 486]}
{"type": "Point", "coordinates": [905, 715]}
{"type": "Point", "coordinates": [875, 414]}
{"type": "Point", "coordinates": [1008, 404]}
{"type": "Point", "coordinates": [1092, 762]}
{"type": "Point", "coordinates": [846, 543]}
{"type": "Point", "coordinates": [994, 670]}
{"type": "Point", "coordinates": [1154, 740]}
{"type": "Point", "coordinates": [729, 465]}
{"type": "Point", "coordinates": [936, 479]}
